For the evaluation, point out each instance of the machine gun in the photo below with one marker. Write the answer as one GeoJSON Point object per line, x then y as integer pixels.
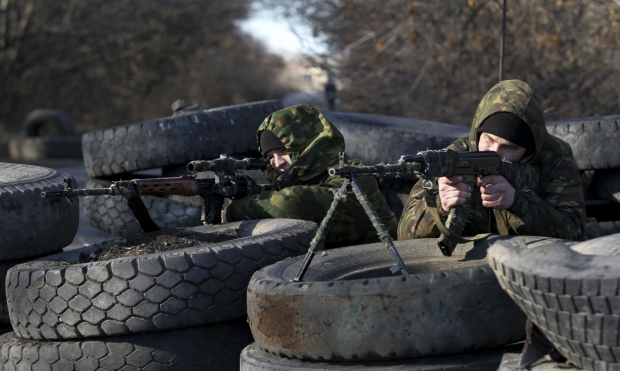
{"type": "Point", "coordinates": [230, 182]}
{"type": "Point", "coordinates": [430, 164]}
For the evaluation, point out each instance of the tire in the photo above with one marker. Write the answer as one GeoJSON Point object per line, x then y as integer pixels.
{"type": "Point", "coordinates": [39, 118]}
{"type": "Point", "coordinates": [50, 299]}
{"type": "Point", "coordinates": [604, 246]}
{"type": "Point", "coordinates": [594, 140]}
{"type": "Point", "coordinates": [596, 229]}
{"type": "Point", "coordinates": [174, 140]}
{"type": "Point", "coordinates": [214, 347]}
{"type": "Point", "coordinates": [254, 359]}
{"type": "Point", "coordinates": [4, 309]}
{"type": "Point", "coordinates": [32, 225]}
{"type": "Point", "coordinates": [112, 215]}
{"type": "Point", "coordinates": [377, 138]}
{"type": "Point", "coordinates": [571, 297]}
{"type": "Point", "coordinates": [43, 148]}
{"type": "Point", "coordinates": [606, 185]}
{"type": "Point", "coordinates": [352, 308]}
{"type": "Point", "coordinates": [510, 362]}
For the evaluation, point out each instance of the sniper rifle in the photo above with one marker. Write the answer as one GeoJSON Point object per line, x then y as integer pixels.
{"type": "Point", "coordinates": [230, 182]}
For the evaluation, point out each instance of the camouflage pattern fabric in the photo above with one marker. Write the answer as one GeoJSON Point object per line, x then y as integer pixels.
{"type": "Point", "coordinates": [554, 207]}
{"type": "Point", "coordinates": [306, 191]}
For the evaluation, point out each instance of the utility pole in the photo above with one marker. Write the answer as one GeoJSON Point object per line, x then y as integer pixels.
{"type": "Point", "coordinates": [501, 46]}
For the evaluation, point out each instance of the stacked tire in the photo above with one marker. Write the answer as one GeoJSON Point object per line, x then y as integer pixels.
{"type": "Point", "coordinates": [46, 134]}
{"type": "Point", "coordinates": [31, 225]}
{"type": "Point", "coordinates": [594, 141]}
{"type": "Point", "coordinates": [570, 293]}
{"type": "Point", "coordinates": [163, 147]}
{"type": "Point", "coordinates": [349, 312]}
{"type": "Point", "coordinates": [179, 310]}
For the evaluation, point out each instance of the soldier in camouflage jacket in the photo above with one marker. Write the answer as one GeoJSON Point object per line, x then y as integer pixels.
{"type": "Point", "coordinates": [304, 188]}
{"type": "Point", "coordinates": [554, 207]}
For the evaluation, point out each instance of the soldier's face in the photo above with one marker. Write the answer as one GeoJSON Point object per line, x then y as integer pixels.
{"type": "Point", "coordinates": [501, 146]}
{"type": "Point", "coordinates": [279, 159]}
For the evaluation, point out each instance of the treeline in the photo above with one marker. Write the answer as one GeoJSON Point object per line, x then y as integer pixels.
{"type": "Point", "coordinates": [108, 63]}
{"type": "Point", "coordinates": [435, 59]}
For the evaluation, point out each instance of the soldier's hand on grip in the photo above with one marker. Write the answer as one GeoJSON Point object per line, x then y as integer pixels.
{"type": "Point", "coordinates": [453, 191]}
{"type": "Point", "coordinates": [496, 192]}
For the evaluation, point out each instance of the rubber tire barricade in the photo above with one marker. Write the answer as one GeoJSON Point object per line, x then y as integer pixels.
{"type": "Point", "coordinates": [111, 213]}
{"type": "Point", "coordinates": [606, 185]}
{"type": "Point", "coordinates": [594, 140]}
{"type": "Point", "coordinates": [40, 117]}
{"type": "Point", "coordinates": [42, 148]}
{"type": "Point", "coordinates": [596, 229]}
{"type": "Point", "coordinates": [510, 362]}
{"type": "Point", "coordinates": [571, 297]}
{"type": "Point", "coordinates": [254, 359]}
{"type": "Point", "coordinates": [174, 140]}
{"type": "Point", "coordinates": [606, 246]}
{"type": "Point", "coordinates": [32, 225]}
{"type": "Point", "coordinates": [378, 138]}
{"type": "Point", "coordinates": [147, 293]}
{"type": "Point", "coordinates": [4, 309]}
{"type": "Point", "coordinates": [352, 308]}
{"type": "Point", "coordinates": [212, 347]}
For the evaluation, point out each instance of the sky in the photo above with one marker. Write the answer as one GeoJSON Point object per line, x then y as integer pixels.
{"type": "Point", "coordinates": [277, 33]}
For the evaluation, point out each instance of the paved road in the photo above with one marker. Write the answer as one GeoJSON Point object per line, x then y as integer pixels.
{"type": "Point", "coordinates": [86, 235]}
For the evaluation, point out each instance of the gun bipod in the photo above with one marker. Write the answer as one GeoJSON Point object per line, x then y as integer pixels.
{"type": "Point", "coordinates": [350, 185]}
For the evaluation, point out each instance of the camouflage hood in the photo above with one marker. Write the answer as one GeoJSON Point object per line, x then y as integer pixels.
{"type": "Point", "coordinates": [312, 142]}
{"type": "Point", "coordinates": [516, 97]}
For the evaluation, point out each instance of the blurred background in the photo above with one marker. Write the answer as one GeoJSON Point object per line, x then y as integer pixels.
{"type": "Point", "coordinates": [111, 62]}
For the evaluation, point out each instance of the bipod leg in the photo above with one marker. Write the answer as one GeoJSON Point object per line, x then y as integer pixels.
{"type": "Point", "coordinates": [383, 233]}
{"type": "Point", "coordinates": [321, 233]}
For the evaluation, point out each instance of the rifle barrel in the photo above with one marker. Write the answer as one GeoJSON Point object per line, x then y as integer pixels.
{"type": "Point", "coordinates": [82, 192]}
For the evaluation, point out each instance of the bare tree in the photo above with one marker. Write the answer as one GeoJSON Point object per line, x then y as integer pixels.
{"type": "Point", "coordinates": [435, 59]}
{"type": "Point", "coordinates": [114, 62]}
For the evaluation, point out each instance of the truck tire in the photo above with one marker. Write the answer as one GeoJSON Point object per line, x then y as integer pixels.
{"type": "Point", "coordinates": [596, 229]}
{"type": "Point", "coordinates": [112, 215]}
{"type": "Point", "coordinates": [4, 309]}
{"type": "Point", "coordinates": [378, 138]}
{"type": "Point", "coordinates": [510, 362]}
{"type": "Point", "coordinates": [570, 296]}
{"type": "Point", "coordinates": [174, 140]}
{"type": "Point", "coordinates": [594, 140]}
{"type": "Point", "coordinates": [254, 359]}
{"type": "Point", "coordinates": [38, 119]}
{"type": "Point", "coordinates": [43, 148]}
{"type": "Point", "coordinates": [350, 307]}
{"type": "Point", "coordinates": [59, 298]}
{"type": "Point", "coordinates": [212, 347]}
{"type": "Point", "coordinates": [32, 225]}
{"type": "Point", "coordinates": [606, 185]}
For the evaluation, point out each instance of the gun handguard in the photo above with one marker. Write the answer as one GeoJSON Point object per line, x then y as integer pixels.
{"type": "Point", "coordinates": [380, 169]}
{"type": "Point", "coordinates": [227, 165]}
{"type": "Point", "coordinates": [116, 189]}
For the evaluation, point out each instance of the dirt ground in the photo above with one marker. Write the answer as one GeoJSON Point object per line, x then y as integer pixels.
{"type": "Point", "coordinates": [164, 240]}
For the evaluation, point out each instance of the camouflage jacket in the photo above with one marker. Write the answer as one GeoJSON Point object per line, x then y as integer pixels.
{"type": "Point", "coordinates": [553, 208]}
{"type": "Point", "coordinates": [306, 191]}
